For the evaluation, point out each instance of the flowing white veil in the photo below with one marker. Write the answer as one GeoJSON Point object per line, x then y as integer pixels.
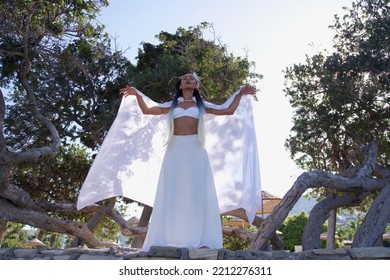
{"type": "Point", "coordinates": [129, 160]}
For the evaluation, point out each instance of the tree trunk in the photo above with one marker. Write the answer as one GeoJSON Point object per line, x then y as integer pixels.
{"type": "Point", "coordinates": [41, 234]}
{"type": "Point", "coordinates": [138, 241]}
{"type": "Point", "coordinates": [53, 239]}
{"type": "Point", "coordinates": [94, 221]}
{"type": "Point", "coordinates": [369, 233]}
{"type": "Point", "coordinates": [2, 116]}
{"type": "Point", "coordinates": [268, 228]}
{"type": "Point", "coordinates": [3, 228]}
{"type": "Point", "coordinates": [319, 214]}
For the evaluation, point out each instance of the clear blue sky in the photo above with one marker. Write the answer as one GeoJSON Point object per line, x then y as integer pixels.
{"type": "Point", "coordinates": [275, 33]}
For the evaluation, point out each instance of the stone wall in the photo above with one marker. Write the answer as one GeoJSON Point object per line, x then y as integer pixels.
{"type": "Point", "coordinates": [170, 253]}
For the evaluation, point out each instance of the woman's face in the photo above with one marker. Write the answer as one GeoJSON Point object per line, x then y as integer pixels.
{"type": "Point", "coordinates": [188, 81]}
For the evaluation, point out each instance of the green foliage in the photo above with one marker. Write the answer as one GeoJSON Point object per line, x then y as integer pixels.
{"type": "Point", "coordinates": [159, 66]}
{"type": "Point", "coordinates": [234, 243]}
{"type": "Point", "coordinates": [341, 100]}
{"type": "Point", "coordinates": [71, 70]}
{"type": "Point", "coordinates": [109, 230]}
{"type": "Point", "coordinates": [348, 231]}
{"type": "Point", "coordinates": [58, 180]}
{"type": "Point", "coordinates": [55, 179]}
{"type": "Point", "coordinates": [292, 229]}
{"type": "Point", "coordinates": [78, 91]}
{"type": "Point", "coordinates": [50, 239]}
{"type": "Point", "coordinates": [39, 28]}
{"type": "Point", "coordinates": [15, 236]}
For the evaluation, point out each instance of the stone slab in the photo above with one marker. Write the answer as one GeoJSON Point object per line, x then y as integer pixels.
{"type": "Point", "coordinates": [203, 254]}
{"type": "Point", "coordinates": [371, 253]}
{"type": "Point", "coordinates": [25, 253]}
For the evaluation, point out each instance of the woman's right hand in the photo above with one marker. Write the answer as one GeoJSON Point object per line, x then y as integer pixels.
{"type": "Point", "coordinates": [128, 90]}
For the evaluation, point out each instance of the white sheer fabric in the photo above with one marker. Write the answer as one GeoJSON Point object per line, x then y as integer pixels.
{"type": "Point", "coordinates": [129, 161]}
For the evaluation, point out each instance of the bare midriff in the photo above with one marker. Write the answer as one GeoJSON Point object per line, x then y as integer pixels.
{"type": "Point", "coordinates": [185, 126]}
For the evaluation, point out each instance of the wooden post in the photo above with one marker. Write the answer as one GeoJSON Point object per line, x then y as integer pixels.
{"type": "Point", "coordinates": [331, 234]}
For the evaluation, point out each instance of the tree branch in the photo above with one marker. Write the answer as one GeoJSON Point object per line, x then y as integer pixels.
{"type": "Point", "coordinates": [280, 212]}
{"type": "Point", "coordinates": [239, 233]}
{"type": "Point", "coordinates": [18, 197]}
{"type": "Point", "coordinates": [368, 165]}
{"type": "Point", "coordinates": [22, 199]}
{"type": "Point", "coordinates": [319, 214]}
{"type": "Point", "coordinates": [10, 212]}
{"type": "Point", "coordinates": [369, 233]}
{"type": "Point", "coordinates": [2, 117]}
{"type": "Point", "coordinates": [11, 53]}
{"type": "Point", "coordinates": [38, 153]}
{"type": "Point", "coordinates": [126, 228]}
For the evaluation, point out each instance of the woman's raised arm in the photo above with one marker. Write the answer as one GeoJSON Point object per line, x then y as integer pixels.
{"type": "Point", "coordinates": [247, 89]}
{"type": "Point", "coordinates": [155, 110]}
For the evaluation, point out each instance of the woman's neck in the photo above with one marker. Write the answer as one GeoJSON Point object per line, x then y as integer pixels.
{"type": "Point", "coordinates": [188, 94]}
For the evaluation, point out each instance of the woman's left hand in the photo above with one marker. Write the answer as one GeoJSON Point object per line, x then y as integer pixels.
{"type": "Point", "coordinates": [128, 90]}
{"type": "Point", "coordinates": [248, 89]}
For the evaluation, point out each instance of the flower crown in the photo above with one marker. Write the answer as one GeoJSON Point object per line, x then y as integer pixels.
{"type": "Point", "coordinates": [193, 74]}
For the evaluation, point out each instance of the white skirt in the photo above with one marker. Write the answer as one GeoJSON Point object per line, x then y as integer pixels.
{"type": "Point", "coordinates": [185, 212]}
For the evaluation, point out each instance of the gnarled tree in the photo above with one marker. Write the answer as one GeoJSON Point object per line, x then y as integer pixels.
{"type": "Point", "coordinates": [45, 47]}
{"type": "Point", "coordinates": [341, 127]}
{"type": "Point", "coordinates": [65, 80]}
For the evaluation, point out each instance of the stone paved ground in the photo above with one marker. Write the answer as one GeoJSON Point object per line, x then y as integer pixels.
{"type": "Point", "coordinates": [171, 253]}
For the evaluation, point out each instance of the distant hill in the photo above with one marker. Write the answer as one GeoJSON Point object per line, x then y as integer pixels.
{"type": "Point", "coordinates": [303, 205]}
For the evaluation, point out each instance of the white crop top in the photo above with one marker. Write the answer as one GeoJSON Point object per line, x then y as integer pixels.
{"type": "Point", "coordinates": [192, 112]}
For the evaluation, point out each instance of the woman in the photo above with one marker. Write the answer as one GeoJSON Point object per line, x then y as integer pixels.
{"type": "Point", "coordinates": [186, 211]}
{"type": "Point", "coordinates": [167, 166]}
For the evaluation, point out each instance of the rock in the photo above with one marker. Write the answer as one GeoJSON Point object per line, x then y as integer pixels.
{"type": "Point", "coordinates": [98, 257]}
{"type": "Point", "coordinates": [5, 251]}
{"type": "Point", "coordinates": [52, 252]}
{"type": "Point", "coordinates": [25, 253]}
{"type": "Point", "coordinates": [203, 254]}
{"type": "Point", "coordinates": [372, 253]}
{"type": "Point", "coordinates": [249, 255]}
{"type": "Point", "coordinates": [327, 254]}
{"type": "Point", "coordinates": [165, 252]}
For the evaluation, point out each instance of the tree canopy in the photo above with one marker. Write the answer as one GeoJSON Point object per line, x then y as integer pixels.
{"type": "Point", "coordinates": [341, 99]}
